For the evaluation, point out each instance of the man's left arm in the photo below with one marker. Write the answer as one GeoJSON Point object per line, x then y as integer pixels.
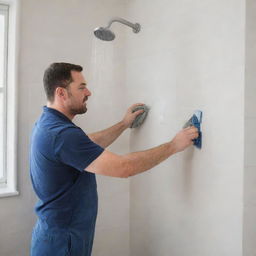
{"type": "Point", "coordinates": [106, 137]}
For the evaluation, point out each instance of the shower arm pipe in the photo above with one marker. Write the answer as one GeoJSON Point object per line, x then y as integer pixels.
{"type": "Point", "coordinates": [135, 27]}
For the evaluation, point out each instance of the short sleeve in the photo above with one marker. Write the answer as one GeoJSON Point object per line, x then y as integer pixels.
{"type": "Point", "coordinates": [74, 148]}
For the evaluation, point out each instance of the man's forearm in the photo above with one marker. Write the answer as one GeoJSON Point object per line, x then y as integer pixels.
{"type": "Point", "coordinates": [138, 162]}
{"type": "Point", "coordinates": [106, 137]}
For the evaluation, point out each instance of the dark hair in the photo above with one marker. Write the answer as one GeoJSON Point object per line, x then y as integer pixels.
{"type": "Point", "coordinates": [58, 75]}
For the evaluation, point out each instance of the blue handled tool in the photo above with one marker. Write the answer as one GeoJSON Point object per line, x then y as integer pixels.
{"type": "Point", "coordinates": [196, 121]}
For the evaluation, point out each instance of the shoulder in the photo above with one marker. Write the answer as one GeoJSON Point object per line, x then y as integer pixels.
{"type": "Point", "coordinates": [70, 130]}
{"type": "Point", "coordinates": [55, 126]}
{"type": "Point", "coordinates": [71, 134]}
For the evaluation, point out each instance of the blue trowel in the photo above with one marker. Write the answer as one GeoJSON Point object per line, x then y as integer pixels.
{"type": "Point", "coordinates": [196, 121]}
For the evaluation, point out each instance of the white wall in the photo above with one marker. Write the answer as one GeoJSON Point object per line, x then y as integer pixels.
{"type": "Point", "coordinates": [189, 55]}
{"type": "Point", "coordinates": [250, 138]}
{"type": "Point", "coordinates": [53, 31]}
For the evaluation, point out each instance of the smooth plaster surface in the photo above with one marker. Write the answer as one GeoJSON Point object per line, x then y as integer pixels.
{"type": "Point", "coordinates": [189, 55]}
{"type": "Point", "coordinates": [53, 31]}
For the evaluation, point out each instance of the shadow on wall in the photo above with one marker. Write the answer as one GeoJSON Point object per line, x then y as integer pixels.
{"type": "Point", "coordinates": [187, 171]}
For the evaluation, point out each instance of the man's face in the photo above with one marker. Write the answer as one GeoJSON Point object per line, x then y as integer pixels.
{"type": "Point", "coordinates": [77, 94]}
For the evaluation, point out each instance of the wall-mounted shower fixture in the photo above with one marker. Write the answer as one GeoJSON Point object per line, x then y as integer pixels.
{"type": "Point", "coordinates": [104, 33]}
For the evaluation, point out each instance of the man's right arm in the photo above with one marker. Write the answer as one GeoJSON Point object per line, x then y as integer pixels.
{"type": "Point", "coordinates": [124, 166]}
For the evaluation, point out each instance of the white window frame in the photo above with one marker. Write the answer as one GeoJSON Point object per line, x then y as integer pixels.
{"type": "Point", "coordinates": [8, 186]}
{"type": "Point", "coordinates": [4, 10]}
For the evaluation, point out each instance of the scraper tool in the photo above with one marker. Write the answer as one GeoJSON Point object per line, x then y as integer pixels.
{"type": "Point", "coordinates": [196, 121]}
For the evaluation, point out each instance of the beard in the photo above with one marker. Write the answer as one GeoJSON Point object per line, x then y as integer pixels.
{"type": "Point", "coordinates": [76, 109]}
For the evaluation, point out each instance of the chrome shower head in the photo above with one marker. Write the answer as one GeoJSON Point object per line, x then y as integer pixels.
{"type": "Point", "coordinates": [104, 34]}
{"type": "Point", "coordinates": [107, 35]}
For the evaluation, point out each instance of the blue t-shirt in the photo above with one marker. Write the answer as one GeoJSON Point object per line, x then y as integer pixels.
{"type": "Point", "coordinates": [60, 152]}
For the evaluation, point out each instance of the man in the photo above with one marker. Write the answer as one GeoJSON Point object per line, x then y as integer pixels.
{"type": "Point", "coordinates": [64, 161]}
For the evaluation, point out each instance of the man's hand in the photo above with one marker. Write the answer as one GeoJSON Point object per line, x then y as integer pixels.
{"type": "Point", "coordinates": [129, 116]}
{"type": "Point", "coordinates": [183, 139]}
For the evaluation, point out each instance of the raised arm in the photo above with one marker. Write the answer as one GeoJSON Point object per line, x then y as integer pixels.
{"type": "Point", "coordinates": [106, 137]}
{"type": "Point", "coordinates": [114, 165]}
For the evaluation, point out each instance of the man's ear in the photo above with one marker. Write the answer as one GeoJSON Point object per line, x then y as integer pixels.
{"type": "Point", "coordinates": [61, 92]}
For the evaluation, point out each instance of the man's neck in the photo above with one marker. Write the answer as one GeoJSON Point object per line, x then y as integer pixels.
{"type": "Point", "coordinates": [60, 109]}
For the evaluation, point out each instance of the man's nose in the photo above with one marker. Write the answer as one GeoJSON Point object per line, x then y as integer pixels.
{"type": "Point", "coordinates": [88, 92]}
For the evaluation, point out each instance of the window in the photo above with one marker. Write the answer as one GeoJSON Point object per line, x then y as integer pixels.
{"type": "Point", "coordinates": [3, 71]}
{"type": "Point", "coordinates": [7, 98]}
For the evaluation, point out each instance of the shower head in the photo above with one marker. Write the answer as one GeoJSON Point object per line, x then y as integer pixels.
{"type": "Point", "coordinates": [107, 35]}
{"type": "Point", "coordinates": [104, 34]}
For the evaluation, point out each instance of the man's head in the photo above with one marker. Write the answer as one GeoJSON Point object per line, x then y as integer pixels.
{"type": "Point", "coordinates": [64, 84]}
